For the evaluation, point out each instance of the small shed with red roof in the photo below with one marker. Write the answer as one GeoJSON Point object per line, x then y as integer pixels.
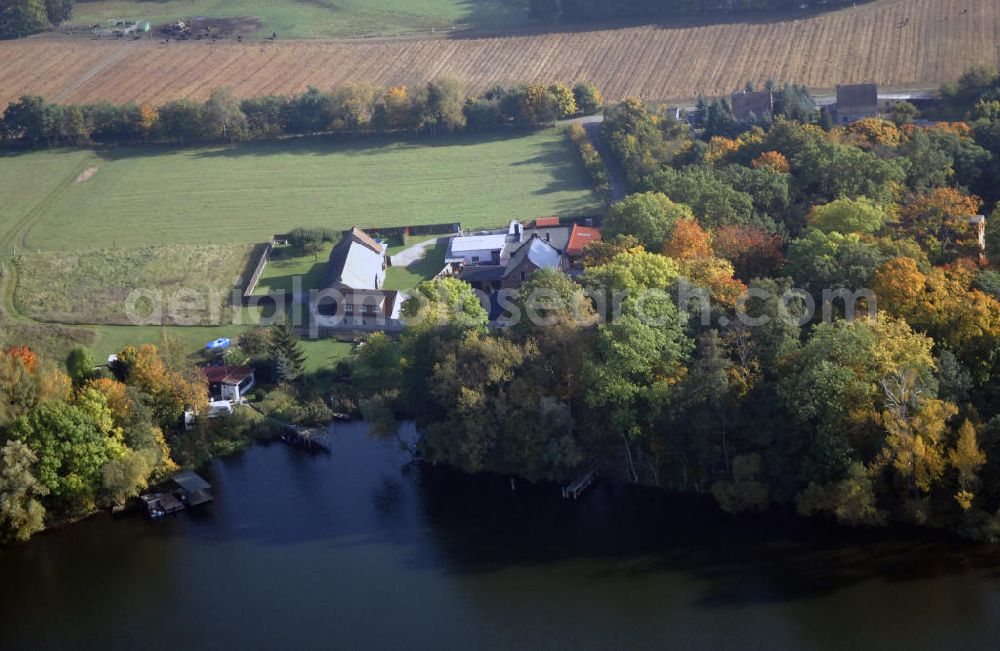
{"type": "Point", "coordinates": [228, 382]}
{"type": "Point", "coordinates": [579, 238]}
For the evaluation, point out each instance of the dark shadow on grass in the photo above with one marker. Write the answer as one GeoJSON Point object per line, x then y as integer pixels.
{"type": "Point", "coordinates": [363, 145]}
{"type": "Point", "coordinates": [482, 29]}
{"type": "Point", "coordinates": [567, 174]}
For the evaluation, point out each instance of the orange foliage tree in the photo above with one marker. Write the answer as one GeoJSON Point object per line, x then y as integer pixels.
{"type": "Point", "coordinates": [773, 161]}
{"type": "Point", "coordinates": [754, 252]}
{"type": "Point", "coordinates": [170, 392]}
{"type": "Point", "coordinates": [688, 240]}
{"type": "Point", "coordinates": [26, 355]}
{"type": "Point", "coordinates": [942, 216]}
{"type": "Point", "coordinates": [691, 246]}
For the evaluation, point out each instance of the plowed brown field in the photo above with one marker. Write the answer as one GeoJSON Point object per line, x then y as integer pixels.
{"type": "Point", "coordinates": [892, 42]}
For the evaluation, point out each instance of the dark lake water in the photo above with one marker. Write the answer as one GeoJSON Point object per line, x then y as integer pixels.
{"type": "Point", "coordinates": [357, 550]}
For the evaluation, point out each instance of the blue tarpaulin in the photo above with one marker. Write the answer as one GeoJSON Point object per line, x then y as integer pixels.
{"type": "Point", "coordinates": [218, 344]}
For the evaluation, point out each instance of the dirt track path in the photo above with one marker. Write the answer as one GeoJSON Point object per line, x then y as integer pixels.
{"type": "Point", "coordinates": [13, 240]}
{"type": "Point", "coordinates": [114, 57]}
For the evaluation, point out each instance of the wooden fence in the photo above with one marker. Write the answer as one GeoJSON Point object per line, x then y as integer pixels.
{"type": "Point", "coordinates": [251, 284]}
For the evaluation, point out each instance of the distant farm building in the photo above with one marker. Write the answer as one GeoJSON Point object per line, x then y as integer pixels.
{"type": "Point", "coordinates": [856, 102]}
{"type": "Point", "coordinates": [748, 106]}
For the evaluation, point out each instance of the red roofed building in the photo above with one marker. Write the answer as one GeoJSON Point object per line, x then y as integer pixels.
{"type": "Point", "coordinates": [543, 222]}
{"type": "Point", "coordinates": [579, 238]}
{"type": "Point", "coordinates": [228, 382]}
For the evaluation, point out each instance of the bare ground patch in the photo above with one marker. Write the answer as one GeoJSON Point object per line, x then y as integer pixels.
{"type": "Point", "coordinates": [86, 174]}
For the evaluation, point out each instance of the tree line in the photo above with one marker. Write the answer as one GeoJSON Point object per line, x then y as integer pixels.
{"type": "Point", "coordinates": [24, 17]}
{"type": "Point", "coordinates": [439, 107]}
{"type": "Point", "coordinates": [867, 420]}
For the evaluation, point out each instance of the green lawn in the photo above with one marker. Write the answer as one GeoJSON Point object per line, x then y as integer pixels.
{"type": "Point", "coordinates": [28, 182]}
{"type": "Point", "coordinates": [321, 18]}
{"type": "Point", "coordinates": [406, 278]}
{"type": "Point", "coordinates": [246, 193]}
{"type": "Point", "coordinates": [320, 354]}
{"type": "Point", "coordinates": [285, 265]}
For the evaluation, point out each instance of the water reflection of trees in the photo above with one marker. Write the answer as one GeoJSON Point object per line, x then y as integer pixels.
{"type": "Point", "coordinates": [622, 532]}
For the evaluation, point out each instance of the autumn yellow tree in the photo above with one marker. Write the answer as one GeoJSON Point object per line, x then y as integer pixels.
{"type": "Point", "coordinates": [398, 108]}
{"type": "Point", "coordinates": [967, 459]}
{"type": "Point", "coordinates": [719, 147]}
{"type": "Point", "coordinates": [871, 132]}
{"type": "Point", "coordinates": [940, 218]}
{"type": "Point", "coordinates": [773, 161]}
{"type": "Point", "coordinates": [170, 391]}
{"type": "Point", "coordinates": [942, 304]}
{"type": "Point", "coordinates": [148, 116]}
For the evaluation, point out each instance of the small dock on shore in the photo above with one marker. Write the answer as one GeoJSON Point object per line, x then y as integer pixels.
{"type": "Point", "coordinates": [302, 438]}
{"type": "Point", "coordinates": [183, 490]}
{"type": "Point", "coordinates": [161, 504]}
{"type": "Point", "coordinates": [579, 485]}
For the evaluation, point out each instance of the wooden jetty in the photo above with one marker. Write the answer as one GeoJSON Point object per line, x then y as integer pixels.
{"type": "Point", "coordinates": [302, 438]}
{"type": "Point", "coordinates": [580, 484]}
{"type": "Point", "coordinates": [192, 490]}
{"type": "Point", "coordinates": [297, 436]}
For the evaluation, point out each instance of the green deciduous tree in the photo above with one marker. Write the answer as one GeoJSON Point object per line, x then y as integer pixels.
{"type": "Point", "coordinates": [649, 216]}
{"type": "Point", "coordinates": [588, 98]}
{"type": "Point", "coordinates": [80, 365]}
{"type": "Point", "coordinates": [21, 513]}
{"type": "Point", "coordinates": [223, 115]}
{"type": "Point", "coordinates": [631, 374]}
{"type": "Point", "coordinates": [72, 445]}
{"type": "Point", "coordinates": [445, 302]}
{"type": "Point", "coordinates": [847, 216]}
